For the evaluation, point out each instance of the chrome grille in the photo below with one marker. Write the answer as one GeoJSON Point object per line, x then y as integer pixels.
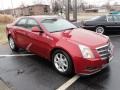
{"type": "Point", "coordinates": [105, 51]}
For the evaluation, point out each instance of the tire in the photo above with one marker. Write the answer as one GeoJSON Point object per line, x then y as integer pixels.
{"type": "Point", "coordinates": [100, 29]}
{"type": "Point", "coordinates": [62, 62]}
{"type": "Point", "coordinates": [12, 44]}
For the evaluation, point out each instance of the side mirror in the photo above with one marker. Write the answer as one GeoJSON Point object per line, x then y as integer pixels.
{"type": "Point", "coordinates": [36, 29]}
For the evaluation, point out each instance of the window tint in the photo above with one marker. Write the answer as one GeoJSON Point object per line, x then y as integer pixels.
{"type": "Point", "coordinates": [31, 23]}
{"type": "Point", "coordinates": [110, 18]}
{"type": "Point", "coordinates": [116, 18]}
{"type": "Point", "coordinates": [95, 18]}
{"type": "Point", "coordinates": [103, 18]}
{"type": "Point", "coordinates": [57, 25]}
{"type": "Point", "coordinates": [22, 22]}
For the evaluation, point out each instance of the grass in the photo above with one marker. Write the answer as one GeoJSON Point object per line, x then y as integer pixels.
{"type": "Point", "coordinates": [4, 19]}
{"type": "Point", "coordinates": [3, 38]}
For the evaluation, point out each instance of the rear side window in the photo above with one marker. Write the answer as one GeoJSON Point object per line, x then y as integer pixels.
{"type": "Point", "coordinates": [116, 18]}
{"type": "Point", "coordinates": [110, 18]}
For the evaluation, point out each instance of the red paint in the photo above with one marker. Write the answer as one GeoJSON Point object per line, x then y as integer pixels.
{"type": "Point", "coordinates": [43, 44]}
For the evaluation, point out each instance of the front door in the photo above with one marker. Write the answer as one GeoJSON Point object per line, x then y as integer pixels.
{"type": "Point", "coordinates": [39, 43]}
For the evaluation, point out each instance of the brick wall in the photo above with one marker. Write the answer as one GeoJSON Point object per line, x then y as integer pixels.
{"type": "Point", "coordinates": [38, 9]}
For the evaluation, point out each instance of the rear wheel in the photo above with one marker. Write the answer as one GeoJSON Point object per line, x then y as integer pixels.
{"type": "Point", "coordinates": [12, 44]}
{"type": "Point", "coordinates": [100, 29]}
{"type": "Point", "coordinates": [62, 62]}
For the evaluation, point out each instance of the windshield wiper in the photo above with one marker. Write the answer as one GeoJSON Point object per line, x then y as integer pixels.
{"type": "Point", "coordinates": [54, 31]}
{"type": "Point", "coordinates": [69, 29]}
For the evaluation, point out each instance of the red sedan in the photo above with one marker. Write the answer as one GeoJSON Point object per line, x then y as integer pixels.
{"type": "Point", "coordinates": [70, 49]}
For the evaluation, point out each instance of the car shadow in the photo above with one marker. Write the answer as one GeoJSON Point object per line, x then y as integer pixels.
{"type": "Point", "coordinates": [96, 81]}
{"type": "Point", "coordinates": [109, 33]}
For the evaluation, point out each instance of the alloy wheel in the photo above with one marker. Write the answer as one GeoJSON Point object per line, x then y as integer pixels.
{"type": "Point", "coordinates": [61, 62]}
{"type": "Point", "coordinates": [100, 30]}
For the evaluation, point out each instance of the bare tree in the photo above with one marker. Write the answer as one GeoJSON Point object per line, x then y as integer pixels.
{"type": "Point", "coordinates": [56, 7]}
{"type": "Point", "coordinates": [107, 5]}
{"type": "Point", "coordinates": [22, 7]}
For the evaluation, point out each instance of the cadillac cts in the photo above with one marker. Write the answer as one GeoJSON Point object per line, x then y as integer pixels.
{"type": "Point", "coordinates": [70, 49]}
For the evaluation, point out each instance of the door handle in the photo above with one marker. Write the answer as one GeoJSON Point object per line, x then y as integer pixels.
{"type": "Point", "coordinates": [116, 22]}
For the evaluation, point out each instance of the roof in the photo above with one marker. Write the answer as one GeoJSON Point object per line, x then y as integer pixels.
{"type": "Point", "coordinates": [27, 6]}
{"type": "Point", "coordinates": [43, 16]}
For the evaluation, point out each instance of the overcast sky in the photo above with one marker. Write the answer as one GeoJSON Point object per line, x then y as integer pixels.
{"type": "Point", "coordinates": [4, 4]}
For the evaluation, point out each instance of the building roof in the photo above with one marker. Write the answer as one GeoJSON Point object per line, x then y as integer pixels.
{"type": "Point", "coordinates": [27, 6]}
{"type": "Point", "coordinates": [42, 16]}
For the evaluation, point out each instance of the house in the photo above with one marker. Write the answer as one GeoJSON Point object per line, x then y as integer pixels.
{"type": "Point", "coordinates": [115, 8]}
{"type": "Point", "coordinates": [37, 9]}
{"type": "Point", "coordinates": [91, 10]}
{"type": "Point", "coordinates": [103, 10]}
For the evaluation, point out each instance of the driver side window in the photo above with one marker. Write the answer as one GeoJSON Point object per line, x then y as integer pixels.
{"type": "Point", "coordinates": [21, 22]}
{"type": "Point", "coordinates": [31, 23]}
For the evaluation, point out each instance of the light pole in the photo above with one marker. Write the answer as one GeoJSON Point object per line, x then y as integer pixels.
{"type": "Point", "coordinates": [12, 8]}
{"type": "Point", "coordinates": [75, 10]}
{"type": "Point", "coordinates": [68, 6]}
{"type": "Point", "coordinates": [68, 2]}
{"type": "Point", "coordinates": [2, 7]}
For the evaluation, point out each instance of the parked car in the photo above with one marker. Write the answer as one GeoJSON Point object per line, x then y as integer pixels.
{"type": "Point", "coordinates": [100, 24]}
{"type": "Point", "coordinates": [70, 49]}
{"type": "Point", "coordinates": [115, 12]}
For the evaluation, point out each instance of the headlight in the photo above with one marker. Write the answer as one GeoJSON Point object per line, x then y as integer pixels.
{"type": "Point", "coordinates": [86, 52]}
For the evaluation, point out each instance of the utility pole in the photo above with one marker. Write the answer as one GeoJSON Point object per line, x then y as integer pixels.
{"type": "Point", "coordinates": [75, 10]}
{"type": "Point", "coordinates": [12, 8]}
{"type": "Point", "coordinates": [68, 6]}
{"type": "Point", "coordinates": [2, 7]}
{"type": "Point", "coordinates": [68, 2]}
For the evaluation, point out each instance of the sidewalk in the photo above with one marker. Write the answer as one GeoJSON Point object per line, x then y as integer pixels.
{"type": "Point", "coordinates": [3, 86]}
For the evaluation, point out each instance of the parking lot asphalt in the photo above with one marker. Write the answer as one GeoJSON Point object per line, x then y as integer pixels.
{"type": "Point", "coordinates": [34, 73]}
{"type": "Point", "coordinates": [28, 72]}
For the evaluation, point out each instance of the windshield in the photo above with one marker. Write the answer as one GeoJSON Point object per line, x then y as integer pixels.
{"type": "Point", "coordinates": [57, 25]}
{"type": "Point", "coordinates": [96, 17]}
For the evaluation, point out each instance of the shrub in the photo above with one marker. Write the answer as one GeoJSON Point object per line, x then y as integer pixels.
{"type": "Point", "coordinates": [6, 18]}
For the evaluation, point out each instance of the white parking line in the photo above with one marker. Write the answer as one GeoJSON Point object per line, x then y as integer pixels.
{"type": "Point", "coordinates": [69, 83]}
{"type": "Point", "coordinates": [114, 36]}
{"type": "Point", "coordinates": [13, 55]}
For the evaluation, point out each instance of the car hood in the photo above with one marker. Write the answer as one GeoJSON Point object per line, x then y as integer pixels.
{"type": "Point", "coordinates": [82, 36]}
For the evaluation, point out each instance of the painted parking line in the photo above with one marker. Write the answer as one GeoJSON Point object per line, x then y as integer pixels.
{"type": "Point", "coordinates": [14, 55]}
{"type": "Point", "coordinates": [69, 83]}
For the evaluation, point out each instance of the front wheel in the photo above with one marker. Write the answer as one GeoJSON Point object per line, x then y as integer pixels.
{"type": "Point", "coordinates": [100, 29]}
{"type": "Point", "coordinates": [62, 62]}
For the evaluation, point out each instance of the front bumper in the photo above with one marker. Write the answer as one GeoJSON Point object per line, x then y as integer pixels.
{"type": "Point", "coordinates": [89, 67]}
{"type": "Point", "coordinates": [103, 55]}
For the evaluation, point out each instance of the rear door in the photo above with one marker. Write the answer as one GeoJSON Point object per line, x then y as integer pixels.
{"type": "Point", "coordinates": [116, 21]}
{"type": "Point", "coordinates": [110, 22]}
{"type": "Point", "coordinates": [20, 33]}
